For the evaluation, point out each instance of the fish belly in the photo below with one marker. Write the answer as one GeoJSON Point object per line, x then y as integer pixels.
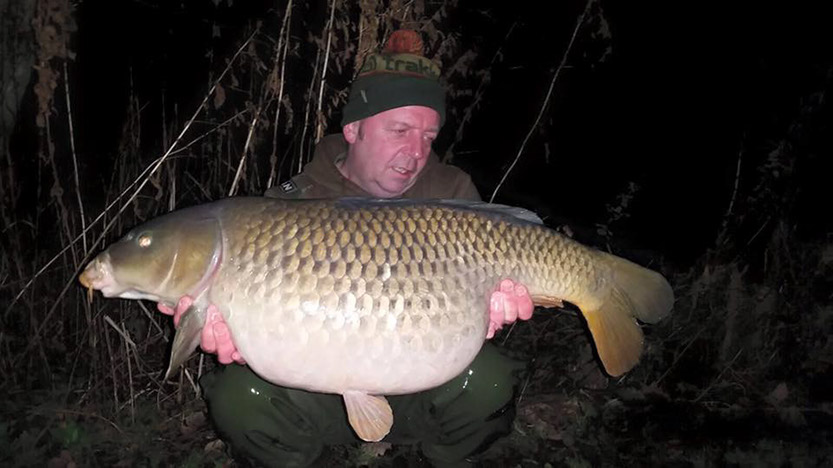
{"type": "Point", "coordinates": [367, 341]}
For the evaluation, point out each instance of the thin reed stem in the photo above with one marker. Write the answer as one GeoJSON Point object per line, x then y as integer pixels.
{"type": "Point", "coordinates": [319, 121]}
{"type": "Point", "coordinates": [282, 48]}
{"type": "Point", "coordinates": [75, 161]}
{"type": "Point", "coordinates": [546, 103]}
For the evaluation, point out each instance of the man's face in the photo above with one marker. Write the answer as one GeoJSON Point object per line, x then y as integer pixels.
{"type": "Point", "coordinates": [388, 150]}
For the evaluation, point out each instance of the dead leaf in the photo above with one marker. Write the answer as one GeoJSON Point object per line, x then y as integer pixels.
{"type": "Point", "coordinates": [219, 96]}
{"type": "Point", "coordinates": [192, 423]}
{"type": "Point", "coordinates": [215, 445]}
{"type": "Point", "coordinates": [548, 416]}
{"type": "Point", "coordinates": [781, 392]}
{"type": "Point", "coordinates": [376, 449]}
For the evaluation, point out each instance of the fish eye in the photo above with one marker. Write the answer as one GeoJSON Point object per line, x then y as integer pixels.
{"type": "Point", "coordinates": [144, 240]}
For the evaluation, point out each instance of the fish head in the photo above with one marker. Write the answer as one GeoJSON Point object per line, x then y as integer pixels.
{"type": "Point", "coordinates": [162, 260]}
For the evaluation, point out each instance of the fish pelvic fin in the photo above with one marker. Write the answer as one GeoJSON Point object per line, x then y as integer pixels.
{"type": "Point", "coordinates": [635, 293]}
{"type": "Point", "coordinates": [369, 415]}
{"type": "Point", "coordinates": [186, 338]}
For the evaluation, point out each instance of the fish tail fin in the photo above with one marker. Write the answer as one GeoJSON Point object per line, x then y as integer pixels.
{"type": "Point", "coordinates": [635, 292]}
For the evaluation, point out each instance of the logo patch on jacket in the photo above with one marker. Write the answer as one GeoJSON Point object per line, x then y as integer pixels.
{"type": "Point", "coordinates": [288, 186]}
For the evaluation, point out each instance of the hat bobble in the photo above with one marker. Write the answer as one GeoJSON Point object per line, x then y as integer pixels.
{"type": "Point", "coordinates": [404, 41]}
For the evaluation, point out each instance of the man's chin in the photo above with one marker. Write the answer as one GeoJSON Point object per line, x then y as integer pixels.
{"type": "Point", "coordinates": [393, 189]}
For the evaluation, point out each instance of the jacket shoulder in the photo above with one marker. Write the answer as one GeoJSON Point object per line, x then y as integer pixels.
{"type": "Point", "coordinates": [317, 175]}
{"type": "Point", "coordinates": [330, 146]}
{"type": "Point", "coordinates": [293, 188]}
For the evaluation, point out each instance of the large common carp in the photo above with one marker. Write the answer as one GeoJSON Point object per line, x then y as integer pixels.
{"type": "Point", "coordinates": [366, 298]}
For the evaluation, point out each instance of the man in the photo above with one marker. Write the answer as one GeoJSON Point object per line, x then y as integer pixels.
{"type": "Point", "coordinates": [395, 110]}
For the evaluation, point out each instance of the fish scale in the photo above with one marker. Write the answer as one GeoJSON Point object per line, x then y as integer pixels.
{"type": "Point", "coordinates": [370, 297]}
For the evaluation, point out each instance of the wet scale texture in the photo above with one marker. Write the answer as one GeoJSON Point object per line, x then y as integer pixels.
{"type": "Point", "coordinates": [372, 297]}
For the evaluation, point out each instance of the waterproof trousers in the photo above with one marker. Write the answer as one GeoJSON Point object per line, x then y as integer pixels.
{"type": "Point", "coordinates": [278, 426]}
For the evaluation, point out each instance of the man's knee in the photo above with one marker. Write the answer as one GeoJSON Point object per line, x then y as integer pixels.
{"type": "Point", "coordinates": [260, 420]}
{"type": "Point", "coordinates": [495, 375]}
{"type": "Point", "coordinates": [485, 387]}
{"type": "Point", "coordinates": [475, 408]}
{"type": "Point", "coordinates": [233, 394]}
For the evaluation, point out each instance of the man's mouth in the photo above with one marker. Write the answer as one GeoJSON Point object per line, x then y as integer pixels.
{"type": "Point", "coordinates": [403, 171]}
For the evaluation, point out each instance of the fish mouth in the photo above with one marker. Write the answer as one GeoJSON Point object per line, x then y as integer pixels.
{"type": "Point", "coordinates": [98, 275]}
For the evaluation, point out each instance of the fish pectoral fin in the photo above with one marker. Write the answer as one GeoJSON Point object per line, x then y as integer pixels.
{"type": "Point", "coordinates": [370, 416]}
{"type": "Point", "coordinates": [547, 301]}
{"type": "Point", "coordinates": [186, 339]}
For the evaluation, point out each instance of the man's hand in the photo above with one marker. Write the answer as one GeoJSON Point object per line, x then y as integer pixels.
{"type": "Point", "coordinates": [215, 338]}
{"type": "Point", "coordinates": [510, 301]}
{"type": "Point", "coordinates": [181, 306]}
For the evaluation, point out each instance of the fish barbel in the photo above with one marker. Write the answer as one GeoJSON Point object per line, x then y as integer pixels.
{"type": "Point", "coordinates": [366, 298]}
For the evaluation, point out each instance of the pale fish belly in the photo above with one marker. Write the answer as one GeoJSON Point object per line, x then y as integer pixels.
{"type": "Point", "coordinates": [333, 351]}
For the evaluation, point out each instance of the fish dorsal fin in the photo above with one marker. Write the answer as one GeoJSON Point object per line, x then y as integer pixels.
{"type": "Point", "coordinates": [484, 207]}
{"type": "Point", "coordinates": [186, 339]}
{"type": "Point", "coordinates": [496, 208]}
{"type": "Point", "coordinates": [369, 415]}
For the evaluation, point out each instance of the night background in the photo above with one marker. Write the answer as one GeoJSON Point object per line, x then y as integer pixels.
{"type": "Point", "coordinates": [694, 138]}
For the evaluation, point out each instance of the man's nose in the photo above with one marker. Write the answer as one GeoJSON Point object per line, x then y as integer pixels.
{"type": "Point", "coordinates": [416, 146]}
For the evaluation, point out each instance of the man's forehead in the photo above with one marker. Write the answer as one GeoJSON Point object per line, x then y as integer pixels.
{"type": "Point", "coordinates": [411, 124]}
{"type": "Point", "coordinates": [411, 116]}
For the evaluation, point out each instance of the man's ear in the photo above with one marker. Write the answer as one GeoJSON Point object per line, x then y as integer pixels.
{"type": "Point", "coordinates": [351, 132]}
